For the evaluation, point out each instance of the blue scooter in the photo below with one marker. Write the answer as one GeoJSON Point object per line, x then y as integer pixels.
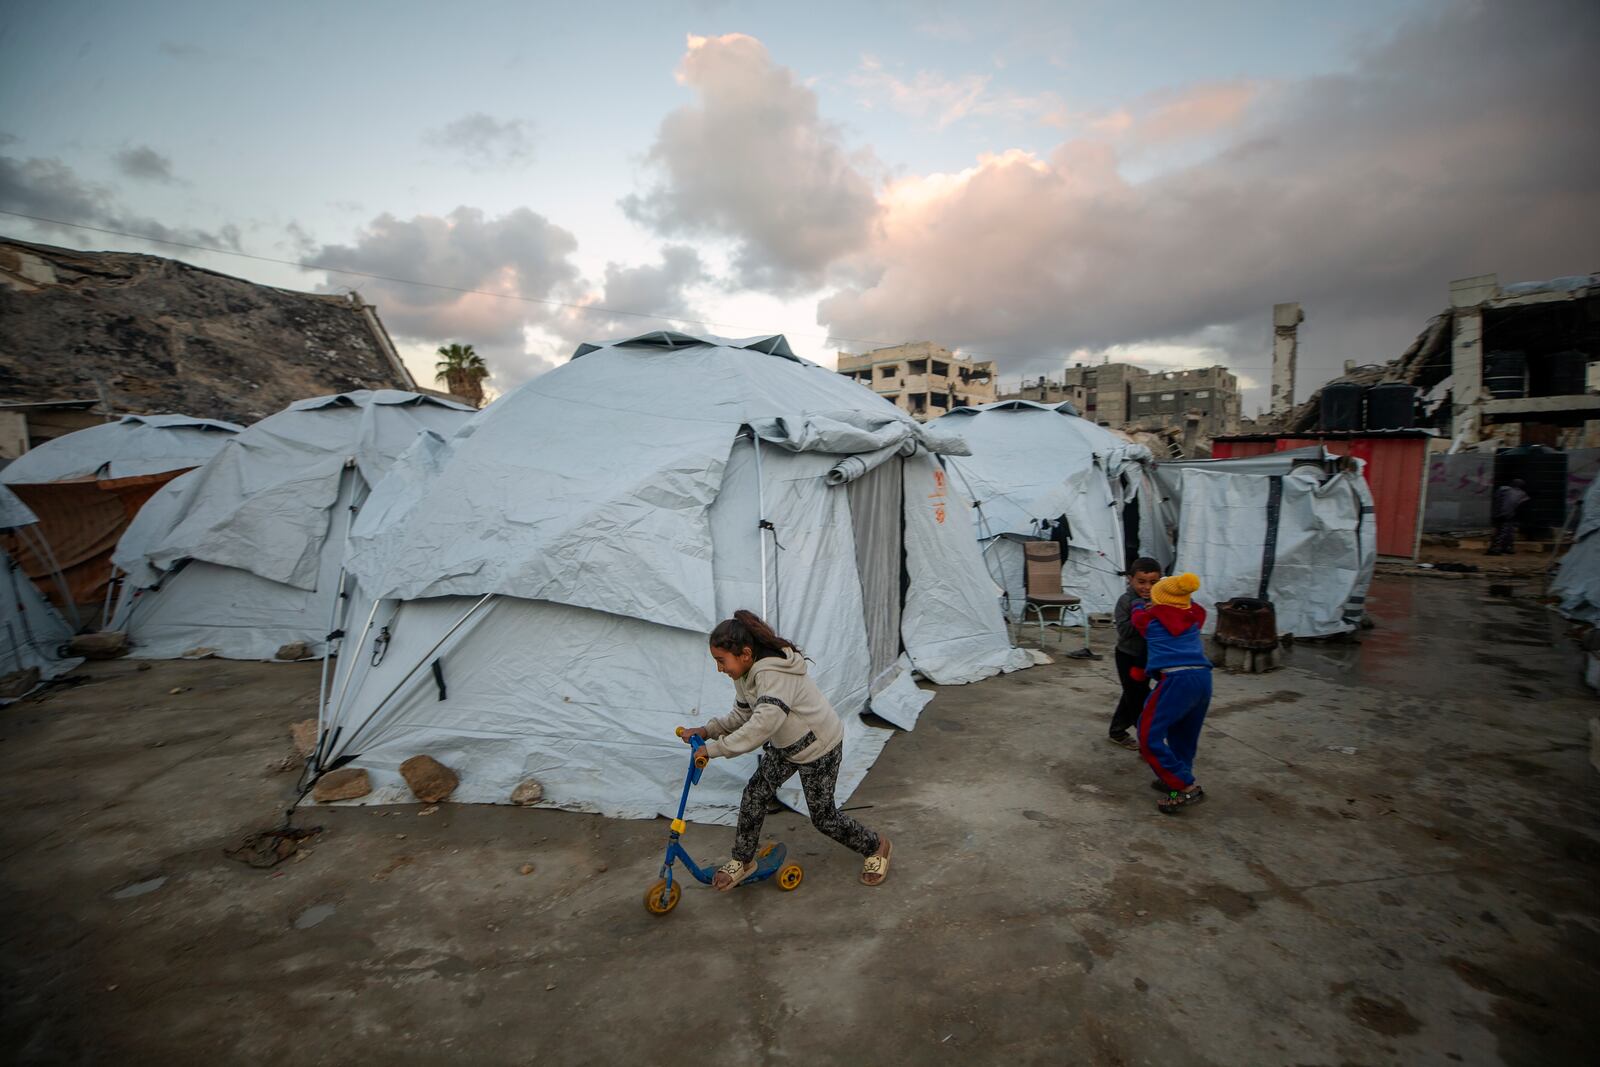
{"type": "Point", "coordinates": [663, 896]}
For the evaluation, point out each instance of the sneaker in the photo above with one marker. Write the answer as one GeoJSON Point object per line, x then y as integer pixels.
{"type": "Point", "coordinates": [1124, 741]}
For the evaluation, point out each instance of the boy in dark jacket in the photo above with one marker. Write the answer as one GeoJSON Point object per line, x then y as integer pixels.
{"type": "Point", "coordinates": [1169, 729]}
{"type": "Point", "coordinates": [1130, 652]}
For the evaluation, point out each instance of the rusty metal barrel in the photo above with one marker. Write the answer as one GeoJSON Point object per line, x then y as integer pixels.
{"type": "Point", "coordinates": [1246, 622]}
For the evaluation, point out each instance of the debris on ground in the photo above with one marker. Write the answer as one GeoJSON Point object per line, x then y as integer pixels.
{"type": "Point", "coordinates": [528, 791]}
{"type": "Point", "coordinates": [293, 650]}
{"type": "Point", "coordinates": [19, 683]}
{"type": "Point", "coordinates": [268, 848]}
{"type": "Point", "coordinates": [430, 781]}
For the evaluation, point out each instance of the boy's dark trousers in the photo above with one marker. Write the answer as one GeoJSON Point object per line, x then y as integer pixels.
{"type": "Point", "coordinates": [1134, 694]}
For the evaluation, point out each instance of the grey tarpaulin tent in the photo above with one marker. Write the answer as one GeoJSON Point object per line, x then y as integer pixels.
{"type": "Point", "coordinates": [86, 486]}
{"type": "Point", "coordinates": [1031, 465]}
{"type": "Point", "coordinates": [537, 591]}
{"type": "Point", "coordinates": [245, 554]}
{"type": "Point", "coordinates": [130, 447]}
{"type": "Point", "coordinates": [1294, 527]}
{"type": "Point", "coordinates": [1577, 583]}
{"type": "Point", "coordinates": [32, 632]}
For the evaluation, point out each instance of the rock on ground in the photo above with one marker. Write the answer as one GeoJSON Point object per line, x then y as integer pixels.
{"type": "Point", "coordinates": [304, 735]}
{"type": "Point", "coordinates": [347, 783]}
{"type": "Point", "coordinates": [430, 780]}
{"type": "Point", "coordinates": [107, 645]}
{"type": "Point", "coordinates": [528, 791]}
{"type": "Point", "coordinates": [294, 650]}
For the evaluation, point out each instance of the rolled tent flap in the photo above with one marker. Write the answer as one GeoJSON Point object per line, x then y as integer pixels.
{"type": "Point", "coordinates": [852, 467]}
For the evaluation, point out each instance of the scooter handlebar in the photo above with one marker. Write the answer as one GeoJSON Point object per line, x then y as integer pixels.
{"type": "Point", "coordinates": [697, 746]}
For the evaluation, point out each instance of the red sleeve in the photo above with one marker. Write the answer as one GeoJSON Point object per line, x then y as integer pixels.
{"type": "Point", "coordinates": [1177, 620]}
{"type": "Point", "coordinates": [1140, 618]}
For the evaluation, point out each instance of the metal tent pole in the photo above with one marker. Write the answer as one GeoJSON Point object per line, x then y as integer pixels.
{"type": "Point", "coordinates": [407, 676]}
{"type": "Point", "coordinates": [761, 521]}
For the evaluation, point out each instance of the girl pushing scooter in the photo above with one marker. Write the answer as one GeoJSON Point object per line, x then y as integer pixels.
{"type": "Point", "coordinates": [778, 708]}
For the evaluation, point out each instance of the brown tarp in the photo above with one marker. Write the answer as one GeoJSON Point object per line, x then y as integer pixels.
{"type": "Point", "coordinates": [81, 519]}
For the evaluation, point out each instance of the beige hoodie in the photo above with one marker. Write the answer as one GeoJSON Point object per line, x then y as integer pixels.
{"type": "Point", "coordinates": [777, 701]}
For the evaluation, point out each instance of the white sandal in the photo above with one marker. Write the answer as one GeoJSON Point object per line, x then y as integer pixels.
{"type": "Point", "coordinates": [877, 865]}
{"type": "Point", "coordinates": [736, 872]}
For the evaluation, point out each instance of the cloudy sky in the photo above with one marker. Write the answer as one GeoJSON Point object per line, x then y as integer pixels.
{"type": "Point", "coordinates": [1029, 181]}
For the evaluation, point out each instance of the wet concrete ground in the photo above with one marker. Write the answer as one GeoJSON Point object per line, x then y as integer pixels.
{"type": "Point", "coordinates": [1396, 865]}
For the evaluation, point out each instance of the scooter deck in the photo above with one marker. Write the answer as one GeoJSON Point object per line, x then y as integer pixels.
{"type": "Point", "coordinates": [768, 862]}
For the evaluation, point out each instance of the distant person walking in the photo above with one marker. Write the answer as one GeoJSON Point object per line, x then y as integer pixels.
{"type": "Point", "coordinates": [1504, 512]}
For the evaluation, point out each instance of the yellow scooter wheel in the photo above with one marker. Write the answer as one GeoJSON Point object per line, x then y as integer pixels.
{"type": "Point", "coordinates": [789, 876]}
{"type": "Point", "coordinates": [655, 903]}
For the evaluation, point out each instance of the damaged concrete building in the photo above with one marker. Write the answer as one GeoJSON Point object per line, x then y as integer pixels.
{"type": "Point", "coordinates": [1508, 365]}
{"type": "Point", "coordinates": [1194, 404]}
{"type": "Point", "coordinates": [923, 379]}
{"type": "Point", "coordinates": [1504, 378]}
{"type": "Point", "coordinates": [84, 335]}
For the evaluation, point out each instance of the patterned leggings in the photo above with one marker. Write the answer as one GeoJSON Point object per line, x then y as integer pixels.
{"type": "Point", "coordinates": [819, 779]}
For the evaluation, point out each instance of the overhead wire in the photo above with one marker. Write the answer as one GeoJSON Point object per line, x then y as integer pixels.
{"type": "Point", "coordinates": [566, 305]}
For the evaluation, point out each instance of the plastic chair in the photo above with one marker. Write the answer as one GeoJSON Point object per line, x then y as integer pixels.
{"type": "Point", "coordinates": [1044, 592]}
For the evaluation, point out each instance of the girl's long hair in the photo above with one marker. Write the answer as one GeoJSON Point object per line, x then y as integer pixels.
{"type": "Point", "coordinates": [746, 630]}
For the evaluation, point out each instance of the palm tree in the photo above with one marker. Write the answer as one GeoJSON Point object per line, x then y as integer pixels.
{"type": "Point", "coordinates": [463, 372]}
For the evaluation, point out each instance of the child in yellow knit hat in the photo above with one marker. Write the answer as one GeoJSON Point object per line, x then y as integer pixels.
{"type": "Point", "coordinates": [1169, 729]}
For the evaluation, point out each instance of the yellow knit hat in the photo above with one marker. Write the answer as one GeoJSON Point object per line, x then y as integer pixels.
{"type": "Point", "coordinates": [1175, 590]}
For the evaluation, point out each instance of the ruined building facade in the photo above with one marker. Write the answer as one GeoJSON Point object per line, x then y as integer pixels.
{"type": "Point", "coordinates": [91, 334]}
{"type": "Point", "coordinates": [923, 379]}
{"type": "Point", "coordinates": [1124, 397]}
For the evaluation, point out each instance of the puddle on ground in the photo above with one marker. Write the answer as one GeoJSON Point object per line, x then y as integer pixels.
{"type": "Point", "coordinates": [1433, 637]}
{"type": "Point", "coordinates": [139, 889]}
{"type": "Point", "coordinates": [313, 915]}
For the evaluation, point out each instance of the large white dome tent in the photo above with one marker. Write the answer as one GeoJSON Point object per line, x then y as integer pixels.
{"type": "Point", "coordinates": [1034, 465]}
{"type": "Point", "coordinates": [539, 589]}
{"type": "Point", "coordinates": [245, 554]}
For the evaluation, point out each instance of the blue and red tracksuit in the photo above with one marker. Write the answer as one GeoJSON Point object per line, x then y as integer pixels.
{"type": "Point", "coordinates": [1169, 728]}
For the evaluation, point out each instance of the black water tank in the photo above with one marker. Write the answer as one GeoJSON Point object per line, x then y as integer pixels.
{"type": "Point", "coordinates": [1544, 473]}
{"type": "Point", "coordinates": [1505, 374]}
{"type": "Point", "coordinates": [1391, 406]}
{"type": "Point", "coordinates": [1559, 374]}
{"type": "Point", "coordinates": [1341, 406]}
